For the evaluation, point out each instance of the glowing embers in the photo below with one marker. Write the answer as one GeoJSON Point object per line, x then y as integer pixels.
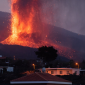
{"type": "Point", "coordinates": [21, 25]}
{"type": "Point", "coordinates": [26, 27]}
{"type": "Point", "coordinates": [25, 24]}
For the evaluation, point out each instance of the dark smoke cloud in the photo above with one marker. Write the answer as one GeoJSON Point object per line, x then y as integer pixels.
{"type": "Point", "coordinates": [68, 14]}
{"type": "Point", "coordinates": [24, 9]}
{"type": "Point", "coordinates": [25, 6]}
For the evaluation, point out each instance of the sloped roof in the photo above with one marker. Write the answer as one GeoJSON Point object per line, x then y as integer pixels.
{"type": "Point", "coordinates": [40, 77]}
{"type": "Point", "coordinates": [2, 57]}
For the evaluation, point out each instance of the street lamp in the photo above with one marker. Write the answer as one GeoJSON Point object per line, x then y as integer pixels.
{"type": "Point", "coordinates": [78, 65]}
{"type": "Point", "coordinates": [33, 66]}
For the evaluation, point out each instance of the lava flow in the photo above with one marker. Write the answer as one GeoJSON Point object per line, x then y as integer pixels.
{"type": "Point", "coordinates": [24, 24]}
{"type": "Point", "coordinates": [27, 28]}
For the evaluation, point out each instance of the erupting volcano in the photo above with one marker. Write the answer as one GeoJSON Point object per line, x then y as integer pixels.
{"type": "Point", "coordinates": [25, 23]}
{"type": "Point", "coordinates": [27, 28]}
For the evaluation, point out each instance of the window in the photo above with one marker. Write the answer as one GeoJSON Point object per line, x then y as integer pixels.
{"type": "Point", "coordinates": [52, 72]}
{"type": "Point", "coordinates": [60, 72]}
{"type": "Point", "coordinates": [67, 72]}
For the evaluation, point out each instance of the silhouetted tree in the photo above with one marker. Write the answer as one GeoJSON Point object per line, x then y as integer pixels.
{"type": "Point", "coordinates": [47, 54]}
{"type": "Point", "coordinates": [83, 64]}
{"type": "Point", "coordinates": [72, 64]}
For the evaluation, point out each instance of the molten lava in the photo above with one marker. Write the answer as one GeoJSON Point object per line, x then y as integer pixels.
{"type": "Point", "coordinates": [27, 27]}
{"type": "Point", "coordinates": [22, 23]}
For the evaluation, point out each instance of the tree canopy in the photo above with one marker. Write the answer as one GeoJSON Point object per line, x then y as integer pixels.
{"type": "Point", "coordinates": [47, 54]}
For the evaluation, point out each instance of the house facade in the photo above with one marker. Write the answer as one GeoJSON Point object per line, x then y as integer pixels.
{"type": "Point", "coordinates": [62, 71]}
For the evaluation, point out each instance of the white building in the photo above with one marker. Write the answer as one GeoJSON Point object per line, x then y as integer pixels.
{"type": "Point", "coordinates": [7, 68]}
{"type": "Point", "coordinates": [0, 55]}
{"type": "Point", "coordinates": [10, 69]}
{"type": "Point", "coordinates": [62, 71]}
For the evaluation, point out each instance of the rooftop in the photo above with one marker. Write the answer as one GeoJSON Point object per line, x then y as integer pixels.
{"type": "Point", "coordinates": [2, 57]}
{"type": "Point", "coordinates": [39, 77]}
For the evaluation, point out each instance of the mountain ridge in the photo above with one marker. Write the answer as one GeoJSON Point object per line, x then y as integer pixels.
{"type": "Point", "coordinates": [57, 35]}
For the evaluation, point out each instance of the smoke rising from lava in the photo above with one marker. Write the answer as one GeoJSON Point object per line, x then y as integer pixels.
{"type": "Point", "coordinates": [27, 28]}
{"type": "Point", "coordinates": [67, 14]}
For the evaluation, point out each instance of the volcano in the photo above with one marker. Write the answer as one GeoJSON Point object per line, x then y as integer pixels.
{"type": "Point", "coordinates": [69, 44]}
{"type": "Point", "coordinates": [4, 25]}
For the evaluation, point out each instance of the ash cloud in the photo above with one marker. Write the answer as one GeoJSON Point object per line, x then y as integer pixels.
{"type": "Point", "coordinates": [68, 14]}
{"type": "Point", "coordinates": [28, 12]}
{"type": "Point", "coordinates": [24, 7]}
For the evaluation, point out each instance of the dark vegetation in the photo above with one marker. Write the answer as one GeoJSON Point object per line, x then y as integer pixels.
{"type": "Point", "coordinates": [20, 67]}
{"type": "Point", "coordinates": [23, 65]}
{"type": "Point", "coordinates": [76, 80]}
{"type": "Point", "coordinates": [46, 54]}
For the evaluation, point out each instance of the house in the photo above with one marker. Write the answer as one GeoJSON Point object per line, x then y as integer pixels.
{"type": "Point", "coordinates": [10, 69]}
{"type": "Point", "coordinates": [6, 69]}
{"type": "Point", "coordinates": [40, 79]}
{"type": "Point", "coordinates": [62, 71]}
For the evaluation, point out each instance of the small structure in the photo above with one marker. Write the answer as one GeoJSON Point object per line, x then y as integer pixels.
{"type": "Point", "coordinates": [10, 69]}
{"type": "Point", "coordinates": [40, 79]}
{"type": "Point", "coordinates": [0, 55]}
{"type": "Point", "coordinates": [1, 70]}
{"type": "Point", "coordinates": [62, 71]}
{"type": "Point", "coordinates": [6, 69]}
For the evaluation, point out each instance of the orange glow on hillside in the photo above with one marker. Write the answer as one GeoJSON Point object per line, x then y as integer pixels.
{"type": "Point", "coordinates": [26, 28]}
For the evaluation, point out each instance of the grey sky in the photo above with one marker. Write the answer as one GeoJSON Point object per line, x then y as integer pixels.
{"type": "Point", "coordinates": [68, 14]}
{"type": "Point", "coordinates": [4, 6]}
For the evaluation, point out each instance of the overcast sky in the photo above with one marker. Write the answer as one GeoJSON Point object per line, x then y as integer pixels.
{"type": "Point", "coordinates": [67, 14]}
{"type": "Point", "coordinates": [4, 6]}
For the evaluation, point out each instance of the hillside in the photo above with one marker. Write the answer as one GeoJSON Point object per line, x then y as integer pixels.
{"type": "Point", "coordinates": [4, 25]}
{"type": "Point", "coordinates": [57, 35]}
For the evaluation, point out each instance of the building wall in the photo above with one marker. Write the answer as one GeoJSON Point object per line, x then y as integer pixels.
{"type": "Point", "coordinates": [64, 72]}
{"type": "Point", "coordinates": [10, 69]}
{"type": "Point", "coordinates": [59, 72]}
{"type": "Point", "coordinates": [52, 72]}
{"type": "Point", "coordinates": [76, 70]}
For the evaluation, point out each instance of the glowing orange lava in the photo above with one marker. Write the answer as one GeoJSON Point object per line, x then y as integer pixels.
{"type": "Point", "coordinates": [26, 28]}
{"type": "Point", "coordinates": [21, 28]}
